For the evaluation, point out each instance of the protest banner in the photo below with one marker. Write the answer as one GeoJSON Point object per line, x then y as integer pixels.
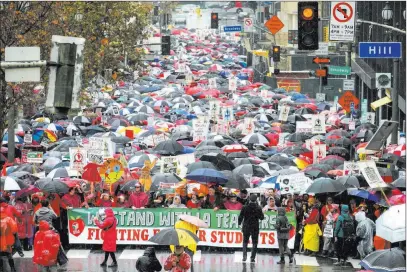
{"type": "Point", "coordinates": [136, 227]}
{"type": "Point", "coordinates": [329, 230]}
{"type": "Point", "coordinates": [303, 126]}
{"type": "Point", "coordinates": [371, 174]}
{"type": "Point", "coordinates": [295, 183]}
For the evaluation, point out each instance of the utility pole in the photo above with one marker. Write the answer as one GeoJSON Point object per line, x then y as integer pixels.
{"type": "Point", "coordinates": [395, 99]}
{"type": "Point", "coordinates": [349, 57]}
{"type": "Point", "coordinates": [11, 129]}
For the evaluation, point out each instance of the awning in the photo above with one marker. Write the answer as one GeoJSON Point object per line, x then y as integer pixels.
{"type": "Point", "coordinates": [365, 72]}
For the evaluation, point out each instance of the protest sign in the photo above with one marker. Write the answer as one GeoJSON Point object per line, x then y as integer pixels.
{"type": "Point", "coordinates": [28, 137]}
{"type": "Point", "coordinates": [200, 129]}
{"type": "Point", "coordinates": [95, 156]}
{"type": "Point", "coordinates": [35, 157]}
{"type": "Point", "coordinates": [138, 226]}
{"type": "Point", "coordinates": [371, 174]}
{"type": "Point", "coordinates": [284, 111]}
{"type": "Point", "coordinates": [248, 126]}
{"type": "Point", "coordinates": [318, 124]}
{"type": "Point", "coordinates": [169, 165]}
{"type": "Point", "coordinates": [319, 152]}
{"type": "Point", "coordinates": [295, 183]}
{"type": "Point", "coordinates": [233, 84]}
{"type": "Point", "coordinates": [77, 157]}
{"type": "Point", "coordinates": [329, 230]}
{"type": "Point", "coordinates": [227, 113]}
{"type": "Point", "coordinates": [212, 83]}
{"type": "Point", "coordinates": [214, 109]}
{"type": "Point", "coordinates": [350, 168]}
{"type": "Point", "coordinates": [282, 138]}
{"type": "Point", "coordinates": [303, 126]}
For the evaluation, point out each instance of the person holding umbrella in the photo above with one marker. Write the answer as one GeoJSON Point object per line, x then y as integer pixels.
{"type": "Point", "coordinates": [249, 216]}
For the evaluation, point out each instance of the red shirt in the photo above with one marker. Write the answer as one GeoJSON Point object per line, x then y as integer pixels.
{"type": "Point", "coordinates": [71, 200]}
{"type": "Point", "coordinates": [192, 205]}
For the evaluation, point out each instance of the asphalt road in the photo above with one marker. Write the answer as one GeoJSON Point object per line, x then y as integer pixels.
{"type": "Point", "coordinates": [89, 260]}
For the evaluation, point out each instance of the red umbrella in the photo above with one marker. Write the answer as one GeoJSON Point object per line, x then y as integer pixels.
{"type": "Point", "coordinates": [234, 148]}
{"type": "Point", "coordinates": [27, 191]}
{"type": "Point", "coordinates": [210, 93]}
{"type": "Point", "coordinates": [397, 199]}
{"type": "Point", "coordinates": [71, 182]}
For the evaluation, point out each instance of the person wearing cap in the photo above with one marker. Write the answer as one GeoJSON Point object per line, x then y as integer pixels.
{"type": "Point", "coordinates": [138, 199]}
{"type": "Point", "coordinates": [250, 217]}
{"type": "Point", "coordinates": [231, 204]}
{"type": "Point", "coordinates": [194, 202]}
{"type": "Point", "coordinates": [105, 201]}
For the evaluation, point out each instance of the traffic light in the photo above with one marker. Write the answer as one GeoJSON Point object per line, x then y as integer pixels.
{"type": "Point", "coordinates": [214, 21]}
{"type": "Point", "coordinates": [307, 25]}
{"type": "Point", "coordinates": [325, 78]}
{"type": "Point", "coordinates": [165, 45]}
{"type": "Point", "coordinates": [276, 53]}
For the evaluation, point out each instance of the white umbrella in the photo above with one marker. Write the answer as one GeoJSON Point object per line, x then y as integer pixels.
{"type": "Point", "coordinates": [10, 184]}
{"type": "Point", "coordinates": [391, 225]}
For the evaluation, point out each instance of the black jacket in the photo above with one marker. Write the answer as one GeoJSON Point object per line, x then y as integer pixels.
{"type": "Point", "coordinates": [218, 203]}
{"type": "Point", "coordinates": [250, 216]}
{"type": "Point", "coordinates": [148, 262]}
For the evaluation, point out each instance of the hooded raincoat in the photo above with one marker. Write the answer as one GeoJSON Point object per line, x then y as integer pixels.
{"type": "Point", "coordinates": [148, 262]}
{"type": "Point", "coordinates": [109, 231]}
{"type": "Point", "coordinates": [364, 231]}
{"type": "Point", "coordinates": [46, 245]}
{"type": "Point", "coordinates": [9, 227]}
{"type": "Point", "coordinates": [25, 225]}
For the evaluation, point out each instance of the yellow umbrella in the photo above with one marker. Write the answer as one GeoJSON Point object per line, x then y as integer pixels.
{"type": "Point", "coordinates": [135, 129]}
{"type": "Point", "coordinates": [301, 164]}
{"type": "Point", "coordinates": [43, 120]}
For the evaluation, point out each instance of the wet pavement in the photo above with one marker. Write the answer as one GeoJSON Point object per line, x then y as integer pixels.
{"type": "Point", "coordinates": [89, 260]}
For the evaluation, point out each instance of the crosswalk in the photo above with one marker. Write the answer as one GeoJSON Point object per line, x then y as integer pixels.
{"type": "Point", "coordinates": [199, 257]}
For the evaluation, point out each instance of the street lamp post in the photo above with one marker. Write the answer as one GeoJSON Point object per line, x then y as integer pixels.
{"type": "Point", "coordinates": [387, 15]}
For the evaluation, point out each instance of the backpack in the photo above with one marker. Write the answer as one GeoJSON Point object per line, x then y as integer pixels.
{"type": "Point", "coordinates": [348, 228]}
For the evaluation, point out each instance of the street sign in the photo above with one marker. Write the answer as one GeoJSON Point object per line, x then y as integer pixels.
{"type": "Point", "coordinates": [318, 60]}
{"type": "Point", "coordinates": [322, 49]}
{"type": "Point", "coordinates": [320, 72]}
{"type": "Point", "coordinates": [346, 99]}
{"type": "Point", "coordinates": [232, 28]}
{"type": "Point", "coordinates": [348, 85]}
{"type": "Point", "coordinates": [274, 24]}
{"type": "Point", "coordinates": [339, 70]}
{"type": "Point", "coordinates": [380, 50]}
{"type": "Point", "coordinates": [342, 23]}
{"type": "Point", "coordinates": [22, 54]}
{"type": "Point", "coordinates": [320, 97]}
{"type": "Point", "coordinates": [248, 24]}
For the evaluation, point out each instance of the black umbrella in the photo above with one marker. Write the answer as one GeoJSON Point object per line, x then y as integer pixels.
{"type": "Point", "coordinates": [169, 178]}
{"type": "Point", "coordinates": [320, 166]}
{"type": "Point", "coordinates": [315, 173]}
{"type": "Point", "coordinates": [200, 151]}
{"type": "Point", "coordinates": [169, 147]}
{"type": "Point", "coordinates": [30, 168]}
{"type": "Point", "coordinates": [201, 164]}
{"type": "Point", "coordinates": [337, 150]}
{"type": "Point", "coordinates": [325, 185]}
{"type": "Point", "coordinates": [129, 186]}
{"type": "Point", "coordinates": [345, 142]}
{"type": "Point", "coordinates": [219, 160]}
{"type": "Point", "coordinates": [281, 160]}
{"type": "Point", "coordinates": [210, 143]}
{"type": "Point", "coordinates": [399, 183]}
{"type": "Point", "coordinates": [225, 139]}
{"type": "Point", "coordinates": [52, 186]}
{"type": "Point", "coordinates": [242, 174]}
{"type": "Point", "coordinates": [242, 161]}
{"type": "Point", "coordinates": [236, 155]}
{"type": "Point", "coordinates": [302, 111]}
{"type": "Point", "coordinates": [65, 145]}
{"type": "Point", "coordinates": [349, 181]}
{"type": "Point", "coordinates": [81, 120]}
{"type": "Point", "coordinates": [232, 182]}
{"type": "Point", "coordinates": [393, 259]}
{"type": "Point", "coordinates": [338, 132]}
{"type": "Point", "coordinates": [295, 150]}
{"type": "Point", "coordinates": [296, 117]}
{"type": "Point", "coordinates": [298, 137]}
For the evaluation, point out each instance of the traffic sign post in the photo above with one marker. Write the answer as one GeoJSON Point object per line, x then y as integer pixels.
{"type": "Point", "coordinates": [380, 50]}
{"type": "Point", "coordinates": [342, 23]}
{"type": "Point", "coordinates": [248, 24]}
{"type": "Point", "coordinates": [348, 100]}
{"type": "Point", "coordinates": [274, 24]}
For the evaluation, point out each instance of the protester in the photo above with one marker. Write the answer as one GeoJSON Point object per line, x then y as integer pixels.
{"type": "Point", "coordinates": [301, 215]}
{"type": "Point", "coordinates": [159, 201]}
{"type": "Point", "coordinates": [213, 200]}
{"type": "Point", "coordinates": [46, 247]}
{"type": "Point", "coordinates": [8, 232]}
{"type": "Point", "coordinates": [148, 262]}
{"type": "Point", "coordinates": [177, 203]}
{"type": "Point", "coordinates": [179, 261]}
{"type": "Point", "coordinates": [249, 218]}
{"type": "Point", "coordinates": [121, 202]}
{"type": "Point", "coordinates": [243, 197]}
{"type": "Point", "coordinates": [138, 199]}
{"type": "Point", "coordinates": [329, 214]}
{"type": "Point", "coordinates": [45, 213]}
{"type": "Point", "coordinates": [312, 230]}
{"type": "Point", "coordinates": [16, 216]}
{"type": "Point", "coordinates": [232, 204]}
{"type": "Point", "coordinates": [25, 225]}
{"type": "Point", "coordinates": [271, 205]}
{"type": "Point", "coordinates": [364, 232]}
{"type": "Point", "coordinates": [105, 201]}
{"type": "Point", "coordinates": [283, 227]}
{"type": "Point", "coordinates": [194, 202]}
{"type": "Point", "coordinates": [344, 229]}
{"type": "Point", "coordinates": [108, 225]}
{"type": "Point", "coordinates": [72, 199]}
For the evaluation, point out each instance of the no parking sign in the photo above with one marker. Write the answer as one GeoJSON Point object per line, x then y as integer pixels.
{"type": "Point", "coordinates": [248, 24]}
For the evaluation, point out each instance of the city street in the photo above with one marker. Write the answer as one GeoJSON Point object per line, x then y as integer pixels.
{"type": "Point", "coordinates": [89, 260]}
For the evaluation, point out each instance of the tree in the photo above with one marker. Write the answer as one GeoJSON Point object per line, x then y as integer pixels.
{"type": "Point", "coordinates": [111, 30]}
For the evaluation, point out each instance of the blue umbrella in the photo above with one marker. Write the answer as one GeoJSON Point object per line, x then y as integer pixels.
{"type": "Point", "coordinates": [323, 106]}
{"type": "Point", "coordinates": [297, 96]}
{"type": "Point", "coordinates": [188, 150]}
{"type": "Point", "coordinates": [303, 100]}
{"type": "Point", "coordinates": [17, 139]}
{"type": "Point", "coordinates": [364, 194]}
{"type": "Point", "coordinates": [207, 175]}
{"type": "Point", "coordinates": [243, 64]}
{"type": "Point", "coordinates": [243, 76]}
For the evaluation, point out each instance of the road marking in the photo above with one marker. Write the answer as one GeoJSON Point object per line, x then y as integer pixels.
{"type": "Point", "coordinates": [131, 254]}
{"type": "Point", "coordinates": [239, 257]}
{"type": "Point", "coordinates": [78, 253]}
{"type": "Point", "coordinates": [305, 260]}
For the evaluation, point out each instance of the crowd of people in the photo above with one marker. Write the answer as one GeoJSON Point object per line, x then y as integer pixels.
{"type": "Point", "coordinates": [352, 226]}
